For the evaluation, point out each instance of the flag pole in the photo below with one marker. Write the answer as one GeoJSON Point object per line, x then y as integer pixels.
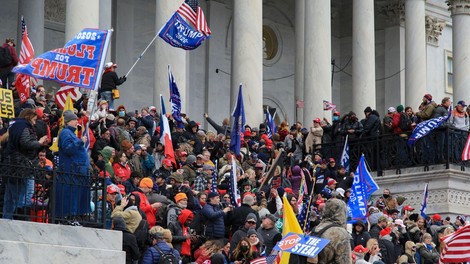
{"type": "Point", "coordinates": [141, 55]}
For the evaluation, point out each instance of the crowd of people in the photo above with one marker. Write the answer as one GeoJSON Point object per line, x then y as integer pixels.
{"type": "Point", "coordinates": [183, 209]}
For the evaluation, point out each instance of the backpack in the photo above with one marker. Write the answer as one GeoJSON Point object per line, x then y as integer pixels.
{"type": "Point", "coordinates": [387, 125]}
{"type": "Point", "coordinates": [405, 122]}
{"type": "Point", "coordinates": [5, 57]}
{"type": "Point", "coordinates": [162, 214]}
{"type": "Point", "coordinates": [166, 258]}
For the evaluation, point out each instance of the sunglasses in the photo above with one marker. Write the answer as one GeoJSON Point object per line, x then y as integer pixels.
{"type": "Point", "coordinates": [251, 222]}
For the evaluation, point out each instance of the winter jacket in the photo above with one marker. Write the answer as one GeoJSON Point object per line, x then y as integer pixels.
{"type": "Point", "coordinates": [387, 249]}
{"type": "Point", "coordinates": [313, 138]}
{"type": "Point", "coordinates": [226, 130]}
{"type": "Point", "coordinates": [13, 54]}
{"type": "Point", "coordinates": [152, 255]}
{"type": "Point", "coordinates": [214, 219]}
{"type": "Point", "coordinates": [130, 215]}
{"type": "Point", "coordinates": [440, 111]}
{"type": "Point", "coordinates": [371, 125]}
{"type": "Point", "coordinates": [268, 236]}
{"type": "Point", "coordinates": [110, 81]}
{"type": "Point", "coordinates": [427, 112]}
{"type": "Point", "coordinates": [73, 158]}
{"type": "Point", "coordinates": [237, 217]}
{"type": "Point", "coordinates": [428, 253]}
{"type": "Point", "coordinates": [122, 170]}
{"type": "Point", "coordinates": [147, 208]}
{"type": "Point", "coordinates": [359, 239]}
{"type": "Point", "coordinates": [129, 242]}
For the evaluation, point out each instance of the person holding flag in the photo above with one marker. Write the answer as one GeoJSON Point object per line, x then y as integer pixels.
{"type": "Point", "coordinates": [109, 82]}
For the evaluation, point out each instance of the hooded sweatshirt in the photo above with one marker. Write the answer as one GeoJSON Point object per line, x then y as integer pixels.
{"type": "Point", "coordinates": [182, 218]}
{"type": "Point", "coordinates": [106, 153]}
{"type": "Point", "coordinates": [409, 256]}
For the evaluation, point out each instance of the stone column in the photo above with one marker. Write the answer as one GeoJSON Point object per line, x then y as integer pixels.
{"type": "Point", "coordinates": [166, 54]}
{"type": "Point", "coordinates": [415, 52]}
{"type": "Point", "coordinates": [317, 71]}
{"type": "Point", "coordinates": [363, 59]}
{"type": "Point", "coordinates": [394, 86]}
{"type": "Point", "coordinates": [33, 13]}
{"type": "Point", "coordinates": [460, 47]}
{"type": "Point", "coordinates": [247, 58]}
{"type": "Point", "coordinates": [81, 14]}
{"type": "Point", "coordinates": [299, 57]}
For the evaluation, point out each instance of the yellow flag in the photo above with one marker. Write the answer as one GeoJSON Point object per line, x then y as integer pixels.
{"type": "Point", "coordinates": [68, 106]}
{"type": "Point", "coordinates": [291, 224]}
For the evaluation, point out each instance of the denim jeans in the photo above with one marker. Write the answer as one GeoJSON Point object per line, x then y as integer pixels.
{"type": "Point", "coordinates": [108, 96]}
{"type": "Point", "coordinates": [14, 196]}
{"type": "Point", "coordinates": [28, 195]}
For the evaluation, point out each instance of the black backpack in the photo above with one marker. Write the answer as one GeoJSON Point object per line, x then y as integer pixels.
{"type": "Point", "coordinates": [405, 122]}
{"type": "Point", "coordinates": [5, 57]}
{"type": "Point", "coordinates": [162, 214]}
{"type": "Point", "coordinates": [166, 258]}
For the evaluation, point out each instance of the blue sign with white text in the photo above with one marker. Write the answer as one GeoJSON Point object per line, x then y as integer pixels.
{"type": "Point", "coordinates": [308, 246]}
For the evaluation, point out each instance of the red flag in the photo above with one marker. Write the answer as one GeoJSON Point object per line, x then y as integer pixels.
{"type": "Point", "coordinates": [191, 10]}
{"type": "Point", "coordinates": [23, 84]}
{"type": "Point", "coordinates": [466, 150]}
{"type": "Point", "coordinates": [456, 247]}
{"type": "Point", "coordinates": [61, 95]}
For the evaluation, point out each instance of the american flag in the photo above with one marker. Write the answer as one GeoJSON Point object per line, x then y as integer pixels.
{"type": "Point", "coordinates": [215, 176]}
{"type": "Point", "coordinates": [264, 260]}
{"type": "Point", "coordinates": [328, 105]}
{"type": "Point", "coordinates": [456, 249]}
{"type": "Point", "coordinates": [466, 149]}
{"type": "Point", "coordinates": [304, 214]}
{"type": "Point", "coordinates": [23, 84]}
{"type": "Point", "coordinates": [86, 133]}
{"type": "Point", "coordinates": [232, 184]}
{"type": "Point", "coordinates": [61, 95]}
{"type": "Point", "coordinates": [270, 125]}
{"type": "Point", "coordinates": [191, 10]}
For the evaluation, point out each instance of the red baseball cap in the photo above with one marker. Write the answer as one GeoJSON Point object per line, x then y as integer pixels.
{"type": "Point", "coordinates": [408, 208]}
{"type": "Point", "coordinates": [111, 189]}
{"type": "Point", "coordinates": [437, 217]}
{"type": "Point", "coordinates": [167, 162]}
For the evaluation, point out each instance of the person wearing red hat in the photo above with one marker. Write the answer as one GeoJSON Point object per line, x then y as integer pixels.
{"type": "Point", "coordinates": [427, 108]}
{"type": "Point", "coordinates": [109, 82]}
{"type": "Point", "coordinates": [360, 251]}
{"type": "Point", "coordinates": [314, 137]}
{"type": "Point", "coordinates": [387, 248]}
{"type": "Point", "coordinates": [110, 200]}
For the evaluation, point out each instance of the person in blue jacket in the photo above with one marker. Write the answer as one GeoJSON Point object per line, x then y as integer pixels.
{"type": "Point", "coordinates": [152, 255]}
{"type": "Point", "coordinates": [73, 185]}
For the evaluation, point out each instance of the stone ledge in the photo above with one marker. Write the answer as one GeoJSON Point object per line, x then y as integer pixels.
{"type": "Point", "coordinates": [60, 235]}
{"type": "Point", "coordinates": [28, 253]}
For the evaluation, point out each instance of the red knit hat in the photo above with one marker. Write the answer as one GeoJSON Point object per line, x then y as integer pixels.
{"type": "Point", "coordinates": [385, 231]}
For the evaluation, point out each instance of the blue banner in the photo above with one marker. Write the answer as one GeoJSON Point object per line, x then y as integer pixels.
{"type": "Point", "coordinates": [270, 125]}
{"type": "Point", "coordinates": [345, 155]}
{"type": "Point", "coordinates": [175, 98]}
{"type": "Point", "coordinates": [423, 128]}
{"type": "Point", "coordinates": [238, 124]}
{"type": "Point", "coordinates": [78, 63]}
{"type": "Point", "coordinates": [299, 244]}
{"type": "Point", "coordinates": [425, 201]}
{"type": "Point", "coordinates": [362, 188]}
{"type": "Point", "coordinates": [180, 34]}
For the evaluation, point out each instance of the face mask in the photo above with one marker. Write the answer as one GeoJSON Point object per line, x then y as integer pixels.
{"type": "Point", "coordinates": [122, 113]}
{"type": "Point", "coordinates": [202, 203]}
{"type": "Point", "coordinates": [244, 248]}
{"type": "Point", "coordinates": [335, 118]}
{"type": "Point", "coordinates": [386, 196]}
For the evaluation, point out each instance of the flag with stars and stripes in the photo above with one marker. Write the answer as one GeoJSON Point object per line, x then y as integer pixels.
{"type": "Point", "coordinates": [23, 81]}
{"type": "Point", "coordinates": [192, 11]}
{"type": "Point", "coordinates": [304, 214]}
{"type": "Point", "coordinates": [215, 177]}
{"type": "Point", "coordinates": [270, 125]}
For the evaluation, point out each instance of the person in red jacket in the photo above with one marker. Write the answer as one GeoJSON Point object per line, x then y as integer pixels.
{"type": "Point", "coordinates": [7, 77]}
{"type": "Point", "coordinates": [150, 210]}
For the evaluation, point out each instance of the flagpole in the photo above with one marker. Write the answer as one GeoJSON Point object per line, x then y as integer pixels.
{"type": "Point", "coordinates": [142, 54]}
{"type": "Point", "coordinates": [309, 204]}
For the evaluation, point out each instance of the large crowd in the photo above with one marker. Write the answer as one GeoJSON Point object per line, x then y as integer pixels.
{"type": "Point", "coordinates": [177, 209]}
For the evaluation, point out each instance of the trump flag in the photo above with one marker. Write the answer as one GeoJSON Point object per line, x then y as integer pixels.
{"type": "Point", "coordinates": [78, 63]}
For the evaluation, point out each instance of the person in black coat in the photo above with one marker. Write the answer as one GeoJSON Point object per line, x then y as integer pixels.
{"type": "Point", "coordinates": [129, 242]}
{"type": "Point", "coordinates": [110, 81]}
{"type": "Point", "coordinates": [238, 215]}
{"type": "Point", "coordinates": [359, 235]}
{"type": "Point", "coordinates": [371, 124]}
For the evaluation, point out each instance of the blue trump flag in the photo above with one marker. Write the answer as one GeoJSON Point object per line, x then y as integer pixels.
{"type": "Point", "coordinates": [423, 128]}
{"type": "Point", "coordinates": [362, 188]}
{"type": "Point", "coordinates": [175, 98]}
{"type": "Point", "coordinates": [78, 63]}
{"type": "Point", "coordinates": [345, 155]}
{"type": "Point", "coordinates": [270, 125]}
{"type": "Point", "coordinates": [180, 34]}
{"type": "Point", "coordinates": [238, 124]}
{"type": "Point", "coordinates": [425, 201]}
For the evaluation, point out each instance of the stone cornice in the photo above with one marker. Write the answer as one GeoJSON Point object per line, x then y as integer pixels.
{"type": "Point", "coordinates": [394, 11]}
{"type": "Point", "coordinates": [434, 27]}
{"type": "Point", "coordinates": [459, 7]}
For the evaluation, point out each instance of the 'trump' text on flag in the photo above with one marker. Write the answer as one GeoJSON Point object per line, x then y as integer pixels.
{"type": "Point", "coordinates": [78, 63]}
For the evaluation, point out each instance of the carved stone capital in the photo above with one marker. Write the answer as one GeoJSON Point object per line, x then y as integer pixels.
{"type": "Point", "coordinates": [394, 11]}
{"type": "Point", "coordinates": [54, 10]}
{"type": "Point", "coordinates": [434, 27]}
{"type": "Point", "coordinates": [459, 7]}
